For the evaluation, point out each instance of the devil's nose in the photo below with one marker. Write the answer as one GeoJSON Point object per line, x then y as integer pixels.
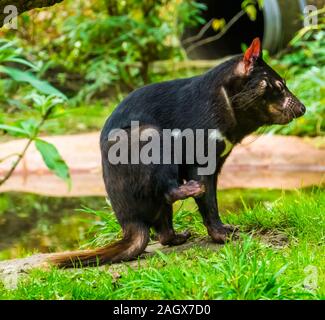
{"type": "Point", "coordinates": [302, 109]}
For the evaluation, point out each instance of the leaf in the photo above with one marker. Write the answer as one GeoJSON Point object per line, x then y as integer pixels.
{"type": "Point", "coordinates": [6, 45]}
{"type": "Point", "coordinates": [18, 104]}
{"type": "Point", "coordinates": [46, 105]}
{"type": "Point", "coordinates": [14, 129]}
{"type": "Point", "coordinates": [23, 76]}
{"type": "Point", "coordinates": [251, 12]}
{"type": "Point", "coordinates": [29, 125]}
{"type": "Point", "coordinates": [53, 160]}
{"type": "Point", "coordinates": [260, 4]}
{"type": "Point", "coordinates": [218, 24]}
{"type": "Point", "coordinates": [22, 61]}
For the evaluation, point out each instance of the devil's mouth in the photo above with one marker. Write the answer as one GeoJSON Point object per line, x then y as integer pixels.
{"type": "Point", "coordinates": [282, 120]}
{"type": "Point", "coordinates": [281, 116]}
{"type": "Point", "coordinates": [297, 115]}
{"type": "Point", "coordinates": [289, 116]}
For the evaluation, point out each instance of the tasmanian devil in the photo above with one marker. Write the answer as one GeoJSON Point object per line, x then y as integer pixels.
{"type": "Point", "coordinates": [234, 99]}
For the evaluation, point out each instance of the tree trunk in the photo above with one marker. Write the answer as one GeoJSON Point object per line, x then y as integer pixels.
{"type": "Point", "coordinates": [22, 6]}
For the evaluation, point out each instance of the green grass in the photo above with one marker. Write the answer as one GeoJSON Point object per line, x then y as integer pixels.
{"type": "Point", "coordinates": [279, 255]}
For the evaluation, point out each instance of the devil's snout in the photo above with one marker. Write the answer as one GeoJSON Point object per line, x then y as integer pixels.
{"type": "Point", "coordinates": [300, 110]}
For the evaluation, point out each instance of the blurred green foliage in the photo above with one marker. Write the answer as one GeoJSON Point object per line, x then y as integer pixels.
{"type": "Point", "coordinates": [96, 51]}
{"type": "Point", "coordinates": [107, 43]}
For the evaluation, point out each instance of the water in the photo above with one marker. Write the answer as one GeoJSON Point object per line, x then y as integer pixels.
{"type": "Point", "coordinates": [32, 223]}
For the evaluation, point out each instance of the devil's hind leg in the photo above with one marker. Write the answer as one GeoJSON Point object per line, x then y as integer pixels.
{"type": "Point", "coordinates": [165, 230]}
{"type": "Point", "coordinates": [171, 189]}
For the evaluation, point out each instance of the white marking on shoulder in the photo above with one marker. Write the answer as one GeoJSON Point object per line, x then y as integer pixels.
{"type": "Point", "coordinates": [216, 135]}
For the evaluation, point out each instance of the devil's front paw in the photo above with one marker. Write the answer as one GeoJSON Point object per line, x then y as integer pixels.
{"type": "Point", "coordinates": [189, 189]}
{"type": "Point", "coordinates": [222, 232]}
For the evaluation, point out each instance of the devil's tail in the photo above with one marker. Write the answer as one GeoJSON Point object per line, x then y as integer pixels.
{"type": "Point", "coordinates": [134, 242]}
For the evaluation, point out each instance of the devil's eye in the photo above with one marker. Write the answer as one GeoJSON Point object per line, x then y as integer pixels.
{"type": "Point", "coordinates": [280, 85]}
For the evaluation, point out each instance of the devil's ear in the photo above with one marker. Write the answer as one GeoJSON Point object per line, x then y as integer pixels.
{"type": "Point", "coordinates": [250, 56]}
{"type": "Point", "coordinates": [253, 52]}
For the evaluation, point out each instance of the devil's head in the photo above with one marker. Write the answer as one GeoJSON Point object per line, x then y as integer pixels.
{"type": "Point", "coordinates": [258, 93]}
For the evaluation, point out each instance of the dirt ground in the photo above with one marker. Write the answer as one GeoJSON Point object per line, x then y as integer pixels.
{"type": "Point", "coordinates": [258, 162]}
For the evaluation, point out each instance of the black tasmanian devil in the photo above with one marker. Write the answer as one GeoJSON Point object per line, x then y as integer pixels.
{"type": "Point", "coordinates": [233, 99]}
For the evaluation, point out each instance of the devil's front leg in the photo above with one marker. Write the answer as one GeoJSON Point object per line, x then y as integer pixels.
{"type": "Point", "coordinates": [208, 207]}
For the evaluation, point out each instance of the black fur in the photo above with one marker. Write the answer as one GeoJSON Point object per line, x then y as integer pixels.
{"type": "Point", "coordinates": [137, 191]}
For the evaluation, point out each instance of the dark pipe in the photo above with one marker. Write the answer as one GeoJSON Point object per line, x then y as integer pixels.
{"type": "Point", "coordinates": [276, 24]}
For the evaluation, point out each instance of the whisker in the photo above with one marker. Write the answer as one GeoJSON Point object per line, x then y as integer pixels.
{"type": "Point", "coordinates": [291, 110]}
